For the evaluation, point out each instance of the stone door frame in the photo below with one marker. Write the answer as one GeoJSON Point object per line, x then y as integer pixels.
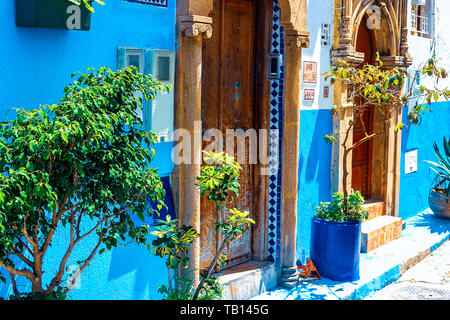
{"type": "Point", "coordinates": [390, 40]}
{"type": "Point", "coordinates": [193, 25]}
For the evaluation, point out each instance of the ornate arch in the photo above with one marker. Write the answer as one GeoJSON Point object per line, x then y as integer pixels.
{"type": "Point", "coordinates": [390, 39]}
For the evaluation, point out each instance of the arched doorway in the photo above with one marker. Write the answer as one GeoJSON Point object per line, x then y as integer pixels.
{"type": "Point", "coordinates": [363, 123]}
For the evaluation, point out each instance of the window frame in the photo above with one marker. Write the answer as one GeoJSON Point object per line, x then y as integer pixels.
{"type": "Point", "coordinates": [421, 16]}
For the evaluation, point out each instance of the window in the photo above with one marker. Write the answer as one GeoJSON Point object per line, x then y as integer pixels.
{"type": "Point", "coordinates": [132, 57]}
{"type": "Point", "coordinates": [422, 18]}
{"type": "Point", "coordinates": [157, 115]}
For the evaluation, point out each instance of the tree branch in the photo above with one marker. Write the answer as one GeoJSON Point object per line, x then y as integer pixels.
{"type": "Point", "coordinates": [13, 282]}
{"type": "Point", "coordinates": [84, 266]}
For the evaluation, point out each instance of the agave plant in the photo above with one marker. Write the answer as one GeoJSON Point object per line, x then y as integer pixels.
{"type": "Point", "coordinates": [442, 168]}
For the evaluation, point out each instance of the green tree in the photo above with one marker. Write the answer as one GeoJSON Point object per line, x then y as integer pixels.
{"type": "Point", "coordinates": [83, 162]}
{"type": "Point", "coordinates": [373, 86]}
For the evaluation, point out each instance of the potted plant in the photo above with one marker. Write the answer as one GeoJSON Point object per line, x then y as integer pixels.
{"type": "Point", "coordinates": [336, 228]}
{"type": "Point", "coordinates": [439, 197]}
{"type": "Point", "coordinates": [336, 236]}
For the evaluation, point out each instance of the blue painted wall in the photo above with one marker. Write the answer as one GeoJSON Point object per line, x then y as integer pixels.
{"type": "Point", "coordinates": [36, 66]}
{"type": "Point", "coordinates": [314, 172]}
{"type": "Point", "coordinates": [315, 165]}
{"type": "Point", "coordinates": [414, 187]}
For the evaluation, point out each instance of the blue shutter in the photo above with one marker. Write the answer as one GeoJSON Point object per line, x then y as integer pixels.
{"type": "Point", "coordinates": [120, 57]}
{"type": "Point", "coordinates": [148, 63]}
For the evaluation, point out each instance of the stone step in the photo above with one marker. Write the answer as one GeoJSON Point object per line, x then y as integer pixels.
{"type": "Point", "coordinates": [375, 209]}
{"type": "Point", "coordinates": [379, 231]}
{"type": "Point", "coordinates": [247, 280]}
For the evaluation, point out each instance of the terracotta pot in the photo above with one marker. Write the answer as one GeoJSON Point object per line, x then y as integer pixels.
{"type": "Point", "coordinates": [440, 204]}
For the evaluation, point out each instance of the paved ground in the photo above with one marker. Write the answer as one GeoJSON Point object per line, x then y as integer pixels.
{"type": "Point", "coordinates": [427, 280]}
{"type": "Point", "coordinates": [422, 236]}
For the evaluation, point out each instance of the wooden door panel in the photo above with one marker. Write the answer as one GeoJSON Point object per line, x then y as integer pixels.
{"type": "Point", "coordinates": [362, 155]}
{"type": "Point", "coordinates": [361, 159]}
{"type": "Point", "coordinates": [228, 103]}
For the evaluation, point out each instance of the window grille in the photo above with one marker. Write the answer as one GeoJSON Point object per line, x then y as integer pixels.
{"type": "Point", "coordinates": [421, 24]}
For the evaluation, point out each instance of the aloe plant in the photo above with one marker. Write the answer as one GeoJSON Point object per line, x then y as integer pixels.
{"type": "Point", "coordinates": [442, 168]}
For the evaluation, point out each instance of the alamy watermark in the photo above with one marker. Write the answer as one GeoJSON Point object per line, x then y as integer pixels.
{"type": "Point", "coordinates": [249, 146]}
{"type": "Point", "coordinates": [73, 21]}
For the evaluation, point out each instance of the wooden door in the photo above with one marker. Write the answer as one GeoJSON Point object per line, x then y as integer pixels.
{"type": "Point", "coordinates": [362, 155]}
{"type": "Point", "coordinates": [228, 102]}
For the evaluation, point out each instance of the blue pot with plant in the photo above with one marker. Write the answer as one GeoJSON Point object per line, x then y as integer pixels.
{"type": "Point", "coordinates": [336, 236]}
{"type": "Point", "coordinates": [439, 197]}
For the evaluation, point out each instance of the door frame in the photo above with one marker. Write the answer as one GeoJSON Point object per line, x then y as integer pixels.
{"type": "Point", "coordinates": [193, 26]}
{"type": "Point", "coordinates": [390, 40]}
{"type": "Point", "coordinates": [261, 120]}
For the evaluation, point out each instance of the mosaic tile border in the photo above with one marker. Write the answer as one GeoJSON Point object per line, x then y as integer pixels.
{"type": "Point", "coordinates": [157, 3]}
{"type": "Point", "coordinates": [276, 126]}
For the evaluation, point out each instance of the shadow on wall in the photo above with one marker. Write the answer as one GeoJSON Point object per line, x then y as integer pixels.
{"type": "Point", "coordinates": [414, 187]}
{"type": "Point", "coordinates": [148, 270]}
{"type": "Point", "coordinates": [314, 172]}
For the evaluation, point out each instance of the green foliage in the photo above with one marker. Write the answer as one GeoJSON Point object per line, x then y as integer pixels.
{"type": "Point", "coordinates": [85, 161]}
{"type": "Point", "coordinates": [57, 294]}
{"type": "Point", "coordinates": [211, 290]}
{"type": "Point", "coordinates": [234, 223]}
{"type": "Point", "coordinates": [373, 85]}
{"type": "Point", "coordinates": [336, 210]}
{"type": "Point", "coordinates": [442, 168]}
{"type": "Point", "coordinates": [87, 3]}
{"type": "Point", "coordinates": [382, 89]}
{"type": "Point", "coordinates": [219, 179]}
{"type": "Point", "coordinates": [173, 242]}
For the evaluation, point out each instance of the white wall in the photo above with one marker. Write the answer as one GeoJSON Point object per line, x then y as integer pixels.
{"type": "Point", "coordinates": [319, 12]}
{"type": "Point", "coordinates": [421, 49]}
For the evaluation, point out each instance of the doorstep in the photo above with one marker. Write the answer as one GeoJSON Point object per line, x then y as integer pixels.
{"type": "Point", "coordinates": [422, 234]}
{"type": "Point", "coordinates": [379, 231]}
{"type": "Point", "coordinates": [248, 279]}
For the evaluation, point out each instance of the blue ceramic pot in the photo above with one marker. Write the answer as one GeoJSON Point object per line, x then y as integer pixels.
{"type": "Point", "coordinates": [335, 249]}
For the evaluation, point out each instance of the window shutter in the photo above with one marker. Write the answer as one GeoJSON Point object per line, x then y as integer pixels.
{"type": "Point", "coordinates": [120, 57]}
{"type": "Point", "coordinates": [159, 113]}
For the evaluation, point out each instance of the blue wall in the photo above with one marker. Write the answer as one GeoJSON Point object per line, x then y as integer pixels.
{"type": "Point", "coordinates": [314, 172]}
{"type": "Point", "coordinates": [36, 66]}
{"type": "Point", "coordinates": [315, 165]}
{"type": "Point", "coordinates": [414, 187]}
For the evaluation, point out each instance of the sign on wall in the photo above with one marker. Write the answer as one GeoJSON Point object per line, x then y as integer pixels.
{"type": "Point", "coordinates": [158, 3]}
{"type": "Point", "coordinates": [309, 72]}
{"type": "Point", "coordinates": [411, 161]}
{"type": "Point", "coordinates": [326, 91]}
{"type": "Point", "coordinates": [309, 94]}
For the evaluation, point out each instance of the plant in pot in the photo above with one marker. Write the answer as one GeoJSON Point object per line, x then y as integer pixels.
{"type": "Point", "coordinates": [439, 197]}
{"type": "Point", "coordinates": [336, 228]}
{"type": "Point", "coordinates": [336, 236]}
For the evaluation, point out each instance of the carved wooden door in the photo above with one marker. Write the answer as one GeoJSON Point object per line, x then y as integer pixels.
{"type": "Point", "coordinates": [228, 103]}
{"type": "Point", "coordinates": [362, 155]}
